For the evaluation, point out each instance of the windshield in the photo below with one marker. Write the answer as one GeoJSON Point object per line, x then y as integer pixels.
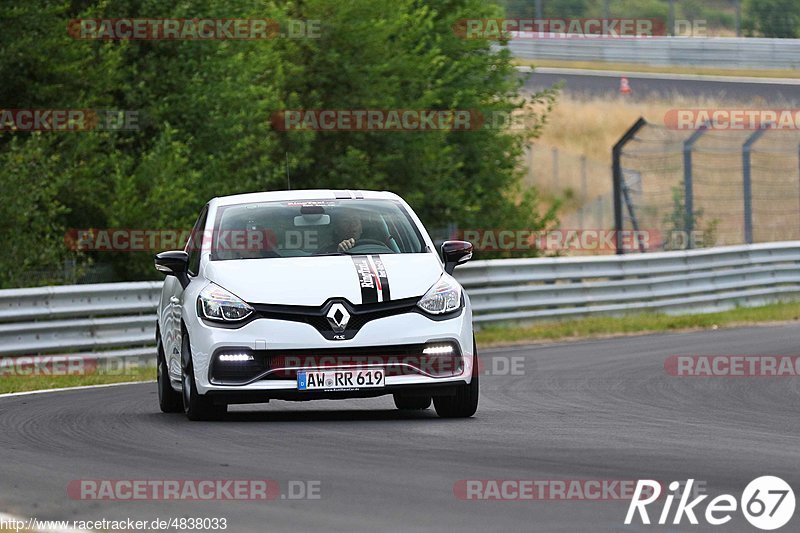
{"type": "Point", "coordinates": [313, 228]}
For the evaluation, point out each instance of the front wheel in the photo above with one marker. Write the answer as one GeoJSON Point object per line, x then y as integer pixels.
{"type": "Point", "coordinates": [195, 406]}
{"type": "Point", "coordinates": [168, 400]}
{"type": "Point", "coordinates": [464, 402]}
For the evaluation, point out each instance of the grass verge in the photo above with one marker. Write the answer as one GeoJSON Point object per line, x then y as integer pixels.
{"type": "Point", "coordinates": [659, 69]}
{"type": "Point", "coordinates": [594, 327]}
{"type": "Point", "coordinates": [39, 382]}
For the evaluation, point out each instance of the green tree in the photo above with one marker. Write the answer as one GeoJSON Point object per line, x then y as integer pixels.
{"type": "Point", "coordinates": [204, 113]}
{"type": "Point", "coordinates": [774, 18]}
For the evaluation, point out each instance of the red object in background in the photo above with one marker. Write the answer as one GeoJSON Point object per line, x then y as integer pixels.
{"type": "Point", "coordinates": [624, 86]}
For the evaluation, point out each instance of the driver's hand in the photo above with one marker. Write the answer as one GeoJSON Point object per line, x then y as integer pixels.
{"type": "Point", "coordinates": [346, 245]}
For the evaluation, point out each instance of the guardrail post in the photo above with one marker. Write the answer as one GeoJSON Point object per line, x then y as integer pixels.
{"type": "Point", "coordinates": [688, 186]}
{"type": "Point", "coordinates": [616, 171]}
{"type": "Point", "coordinates": [747, 148]}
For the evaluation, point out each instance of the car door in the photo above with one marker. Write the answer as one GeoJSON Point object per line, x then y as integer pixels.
{"type": "Point", "coordinates": [174, 294]}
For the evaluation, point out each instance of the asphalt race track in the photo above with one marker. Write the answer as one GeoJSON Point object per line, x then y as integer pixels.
{"type": "Point", "coordinates": [601, 410]}
{"type": "Point", "coordinates": [645, 86]}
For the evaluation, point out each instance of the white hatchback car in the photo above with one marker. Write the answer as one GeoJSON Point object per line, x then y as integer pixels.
{"type": "Point", "coordinates": [319, 294]}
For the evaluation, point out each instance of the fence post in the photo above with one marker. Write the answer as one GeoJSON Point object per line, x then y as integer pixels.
{"type": "Point", "coordinates": [555, 169]}
{"type": "Point", "coordinates": [688, 186]}
{"type": "Point", "coordinates": [598, 213]}
{"type": "Point", "coordinates": [616, 175]}
{"type": "Point", "coordinates": [738, 18]}
{"type": "Point", "coordinates": [671, 19]}
{"type": "Point", "coordinates": [531, 175]}
{"type": "Point", "coordinates": [584, 188]}
{"type": "Point", "coordinates": [747, 187]}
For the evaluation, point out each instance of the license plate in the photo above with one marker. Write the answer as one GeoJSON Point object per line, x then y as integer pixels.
{"type": "Point", "coordinates": [339, 379]}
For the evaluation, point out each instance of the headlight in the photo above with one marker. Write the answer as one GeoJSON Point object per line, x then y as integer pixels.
{"type": "Point", "coordinates": [216, 303]}
{"type": "Point", "coordinates": [443, 297]}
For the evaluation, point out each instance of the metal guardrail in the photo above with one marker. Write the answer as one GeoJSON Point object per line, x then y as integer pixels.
{"type": "Point", "coordinates": [110, 318]}
{"type": "Point", "coordinates": [699, 51]}
{"type": "Point", "coordinates": [118, 319]}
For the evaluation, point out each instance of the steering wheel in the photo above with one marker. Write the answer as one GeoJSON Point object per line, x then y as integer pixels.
{"type": "Point", "coordinates": [369, 246]}
{"type": "Point", "coordinates": [359, 242]}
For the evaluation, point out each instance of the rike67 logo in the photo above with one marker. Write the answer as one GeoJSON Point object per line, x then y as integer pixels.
{"type": "Point", "coordinates": [767, 503]}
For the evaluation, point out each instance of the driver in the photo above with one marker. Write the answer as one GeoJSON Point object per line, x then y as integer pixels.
{"type": "Point", "coordinates": [347, 230]}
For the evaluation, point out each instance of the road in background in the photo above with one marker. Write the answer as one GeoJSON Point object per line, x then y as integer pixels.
{"type": "Point", "coordinates": [666, 86]}
{"type": "Point", "coordinates": [603, 409]}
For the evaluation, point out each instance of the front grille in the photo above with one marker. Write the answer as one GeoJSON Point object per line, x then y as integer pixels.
{"type": "Point", "coordinates": [396, 360]}
{"type": "Point", "coordinates": [316, 316]}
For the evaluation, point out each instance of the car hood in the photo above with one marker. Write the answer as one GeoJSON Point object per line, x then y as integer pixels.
{"type": "Point", "coordinates": [314, 280]}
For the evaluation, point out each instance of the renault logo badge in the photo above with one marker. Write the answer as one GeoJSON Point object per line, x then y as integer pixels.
{"type": "Point", "coordinates": [338, 317]}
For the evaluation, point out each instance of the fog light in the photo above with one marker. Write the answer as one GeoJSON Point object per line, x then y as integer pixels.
{"type": "Point", "coordinates": [438, 349]}
{"type": "Point", "coordinates": [235, 358]}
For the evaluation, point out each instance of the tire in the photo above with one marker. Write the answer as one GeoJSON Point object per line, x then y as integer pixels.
{"type": "Point", "coordinates": [168, 399]}
{"type": "Point", "coordinates": [465, 401]}
{"type": "Point", "coordinates": [195, 406]}
{"type": "Point", "coordinates": [411, 403]}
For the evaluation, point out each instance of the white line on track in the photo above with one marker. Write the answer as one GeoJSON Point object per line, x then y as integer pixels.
{"type": "Point", "coordinates": [65, 389]}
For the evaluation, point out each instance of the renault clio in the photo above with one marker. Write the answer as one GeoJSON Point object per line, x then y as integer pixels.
{"type": "Point", "coordinates": [311, 295]}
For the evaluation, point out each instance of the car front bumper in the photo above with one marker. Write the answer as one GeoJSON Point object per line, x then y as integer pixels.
{"type": "Point", "coordinates": [266, 335]}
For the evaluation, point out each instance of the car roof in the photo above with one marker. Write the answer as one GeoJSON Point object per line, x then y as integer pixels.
{"type": "Point", "coordinates": [300, 195]}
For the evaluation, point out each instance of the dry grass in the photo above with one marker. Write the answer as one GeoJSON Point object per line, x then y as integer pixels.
{"type": "Point", "coordinates": [591, 126]}
{"type": "Point", "coordinates": [576, 128]}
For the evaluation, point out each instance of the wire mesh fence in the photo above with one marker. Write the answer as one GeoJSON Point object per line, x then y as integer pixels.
{"type": "Point", "coordinates": [710, 187]}
{"type": "Point", "coordinates": [581, 181]}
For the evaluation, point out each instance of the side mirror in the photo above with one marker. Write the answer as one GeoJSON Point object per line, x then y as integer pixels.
{"type": "Point", "coordinates": [174, 263]}
{"type": "Point", "coordinates": [455, 253]}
